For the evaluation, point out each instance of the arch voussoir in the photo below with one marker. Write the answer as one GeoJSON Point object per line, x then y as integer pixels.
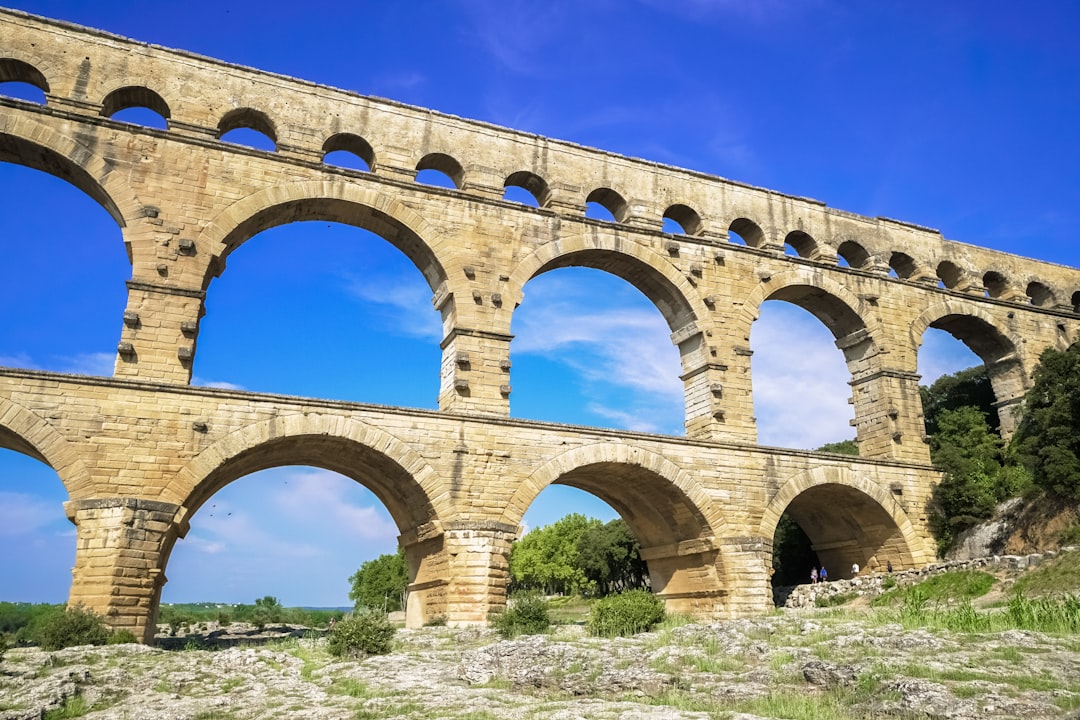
{"type": "Point", "coordinates": [50, 444]}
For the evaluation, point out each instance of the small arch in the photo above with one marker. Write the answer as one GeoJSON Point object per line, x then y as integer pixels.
{"type": "Point", "coordinates": [345, 149]}
{"type": "Point", "coordinates": [433, 167]}
{"type": "Point", "coordinates": [134, 97]}
{"type": "Point", "coordinates": [1040, 294]}
{"type": "Point", "coordinates": [609, 200]}
{"type": "Point", "coordinates": [949, 274]}
{"type": "Point", "coordinates": [995, 283]}
{"type": "Point", "coordinates": [688, 221]}
{"type": "Point", "coordinates": [902, 265]}
{"type": "Point", "coordinates": [748, 232]}
{"type": "Point", "coordinates": [22, 81]}
{"type": "Point", "coordinates": [1075, 300]}
{"type": "Point", "coordinates": [245, 125]}
{"type": "Point", "coordinates": [803, 245]}
{"type": "Point", "coordinates": [853, 254]}
{"type": "Point", "coordinates": [532, 186]}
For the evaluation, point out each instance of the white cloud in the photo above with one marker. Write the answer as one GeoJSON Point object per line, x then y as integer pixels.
{"type": "Point", "coordinates": [98, 363]}
{"type": "Point", "coordinates": [320, 495]}
{"type": "Point", "coordinates": [634, 421]}
{"type": "Point", "coordinates": [799, 380]}
{"type": "Point", "coordinates": [18, 360]}
{"type": "Point", "coordinates": [219, 384]}
{"type": "Point", "coordinates": [23, 514]}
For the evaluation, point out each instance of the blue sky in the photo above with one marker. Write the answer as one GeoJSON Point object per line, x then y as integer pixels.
{"type": "Point", "coordinates": [958, 116]}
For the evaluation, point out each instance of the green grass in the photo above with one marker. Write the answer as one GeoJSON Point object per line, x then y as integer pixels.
{"type": "Point", "coordinates": [952, 586]}
{"type": "Point", "coordinates": [1059, 575]}
{"type": "Point", "coordinates": [568, 609]}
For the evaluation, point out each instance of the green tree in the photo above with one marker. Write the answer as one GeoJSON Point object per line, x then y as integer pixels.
{"type": "Point", "coordinates": [1048, 439]}
{"type": "Point", "coordinates": [380, 583]}
{"type": "Point", "coordinates": [844, 447]}
{"type": "Point", "coordinates": [546, 559]}
{"type": "Point", "coordinates": [976, 474]}
{"type": "Point", "coordinates": [967, 388]}
{"type": "Point", "coordinates": [610, 558]}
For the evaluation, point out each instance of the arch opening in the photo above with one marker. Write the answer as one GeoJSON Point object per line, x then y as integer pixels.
{"type": "Point", "coordinates": [949, 275]}
{"type": "Point", "coordinates": [657, 512]}
{"type": "Point", "coordinates": [800, 244]}
{"type": "Point", "coordinates": [22, 81]}
{"type": "Point", "coordinates": [66, 270]}
{"type": "Point", "coordinates": [527, 188]}
{"type": "Point", "coordinates": [800, 379]}
{"type": "Point", "coordinates": [349, 151]}
{"type": "Point", "coordinates": [1075, 300]}
{"type": "Point", "coordinates": [440, 170]}
{"type": "Point", "coordinates": [249, 127]}
{"type": "Point", "coordinates": [606, 204]}
{"type": "Point", "coordinates": [1040, 294]}
{"type": "Point", "coordinates": [845, 527]}
{"type": "Point", "coordinates": [297, 532]}
{"type": "Point", "coordinates": [138, 106]}
{"type": "Point", "coordinates": [954, 343]}
{"type": "Point", "coordinates": [854, 255]}
{"type": "Point", "coordinates": [995, 283]}
{"type": "Point", "coordinates": [614, 366]}
{"type": "Point", "coordinates": [902, 266]}
{"type": "Point", "coordinates": [746, 232]}
{"type": "Point", "coordinates": [349, 317]}
{"type": "Point", "coordinates": [682, 220]}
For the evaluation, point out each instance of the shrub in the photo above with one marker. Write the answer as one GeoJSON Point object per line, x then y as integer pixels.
{"type": "Point", "coordinates": [527, 615]}
{"type": "Point", "coordinates": [625, 614]}
{"type": "Point", "coordinates": [365, 633]}
{"type": "Point", "coordinates": [436, 621]}
{"type": "Point", "coordinates": [121, 637]}
{"type": "Point", "coordinates": [72, 626]}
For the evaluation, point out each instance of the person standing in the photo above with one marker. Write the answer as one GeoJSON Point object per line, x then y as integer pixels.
{"type": "Point", "coordinates": [813, 576]}
{"type": "Point", "coordinates": [823, 575]}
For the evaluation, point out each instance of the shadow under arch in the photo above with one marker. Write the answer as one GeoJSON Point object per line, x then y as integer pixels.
{"type": "Point", "coordinates": [25, 432]}
{"type": "Point", "coordinates": [849, 519]}
{"type": "Point", "coordinates": [346, 203]}
{"type": "Point", "coordinates": [415, 497]}
{"type": "Point", "coordinates": [998, 349]}
{"type": "Point", "coordinates": [666, 509]}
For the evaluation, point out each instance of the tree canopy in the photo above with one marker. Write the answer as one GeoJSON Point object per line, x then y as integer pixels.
{"type": "Point", "coordinates": [967, 388]}
{"type": "Point", "coordinates": [380, 583]}
{"type": "Point", "coordinates": [1048, 439]}
{"type": "Point", "coordinates": [578, 555]}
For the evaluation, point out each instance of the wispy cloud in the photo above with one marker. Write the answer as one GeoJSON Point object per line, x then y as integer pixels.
{"type": "Point", "coordinates": [22, 514]}
{"type": "Point", "coordinates": [319, 495]}
{"type": "Point", "coordinates": [758, 12]}
{"type": "Point", "coordinates": [90, 363]}
{"type": "Point", "coordinates": [405, 302]}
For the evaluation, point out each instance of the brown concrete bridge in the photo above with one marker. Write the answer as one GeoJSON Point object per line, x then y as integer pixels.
{"type": "Point", "coordinates": [140, 452]}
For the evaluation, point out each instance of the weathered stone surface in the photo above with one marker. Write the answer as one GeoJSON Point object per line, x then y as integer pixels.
{"type": "Point", "coordinates": [141, 452]}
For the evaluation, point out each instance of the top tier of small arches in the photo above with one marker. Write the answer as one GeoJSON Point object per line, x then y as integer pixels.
{"type": "Point", "coordinates": [687, 206]}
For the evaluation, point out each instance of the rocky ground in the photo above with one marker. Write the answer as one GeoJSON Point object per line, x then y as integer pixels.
{"type": "Point", "coordinates": [805, 663]}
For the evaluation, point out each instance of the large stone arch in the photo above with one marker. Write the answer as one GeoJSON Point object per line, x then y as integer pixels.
{"type": "Point", "coordinates": [416, 498]}
{"type": "Point", "coordinates": [318, 440]}
{"type": "Point", "coordinates": [653, 275]}
{"type": "Point", "coordinates": [25, 141]}
{"type": "Point", "coordinates": [1000, 350]}
{"type": "Point", "coordinates": [834, 305]}
{"type": "Point", "coordinates": [674, 519]}
{"type": "Point", "coordinates": [343, 202]}
{"type": "Point", "coordinates": [850, 519]}
{"type": "Point", "coordinates": [25, 432]}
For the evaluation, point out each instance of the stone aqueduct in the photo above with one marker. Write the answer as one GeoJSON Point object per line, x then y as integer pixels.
{"type": "Point", "coordinates": [141, 451]}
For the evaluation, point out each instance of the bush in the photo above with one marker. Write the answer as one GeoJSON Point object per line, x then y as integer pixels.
{"type": "Point", "coordinates": [527, 615]}
{"type": "Point", "coordinates": [625, 614]}
{"type": "Point", "coordinates": [365, 633]}
{"type": "Point", "coordinates": [72, 626]}
{"type": "Point", "coordinates": [121, 637]}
